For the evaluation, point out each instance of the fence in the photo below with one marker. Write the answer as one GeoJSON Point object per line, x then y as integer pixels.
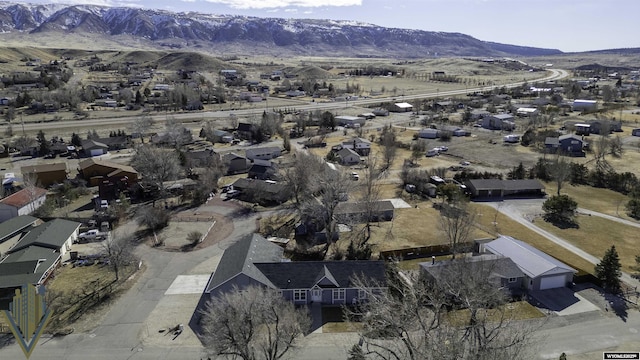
{"type": "Point", "coordinates": [193, 219]}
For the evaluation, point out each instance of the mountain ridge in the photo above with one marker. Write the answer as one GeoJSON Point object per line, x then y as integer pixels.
{"type": "Point", "coordinates": [306, 36]}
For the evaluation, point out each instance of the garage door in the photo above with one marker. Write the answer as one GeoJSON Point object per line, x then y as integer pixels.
{"type": "Point", "coordinates": [552, 282]}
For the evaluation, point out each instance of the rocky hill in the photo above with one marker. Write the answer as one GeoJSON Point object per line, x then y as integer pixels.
{"type": "Point", "coordinates": [303, 36]}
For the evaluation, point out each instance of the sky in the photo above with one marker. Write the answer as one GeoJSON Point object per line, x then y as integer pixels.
{"type": "Point", "coordinates": [567, 25]}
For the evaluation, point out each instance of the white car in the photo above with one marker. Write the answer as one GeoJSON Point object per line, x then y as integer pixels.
{"type": "Point", "coordinates": [442, 148]}
{"type": "Point", "coordinates": [355, 176]}
{"type": "Point", "coordinates": [232, 193]}
{"type": "Point", "coordinates": [465, 163]}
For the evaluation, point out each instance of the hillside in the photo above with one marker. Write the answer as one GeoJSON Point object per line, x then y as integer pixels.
{"type": "Point", "coordinates": [241, 34]}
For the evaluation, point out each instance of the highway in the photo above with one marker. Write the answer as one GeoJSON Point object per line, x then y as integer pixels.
{"type": "Point", "coordinates": [555, 74]}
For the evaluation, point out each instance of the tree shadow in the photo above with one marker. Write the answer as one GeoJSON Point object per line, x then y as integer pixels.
{"type": "Point", "coordinates": [6, 340]}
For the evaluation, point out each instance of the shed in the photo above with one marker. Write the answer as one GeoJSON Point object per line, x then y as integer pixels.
{"type": "Point", "coordinates": [402, 107]}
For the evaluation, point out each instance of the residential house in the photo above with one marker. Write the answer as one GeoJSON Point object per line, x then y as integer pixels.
{"type": "Point", "coordinates": [350, 212]}
{"type": "Point", "coordinates": [584, 105]}
{"type": "Point", "coordinates": [541, 270]}
{"type": "Point", "coordinates": [255, 261]}
{"type": "Point", "coordinates": [245, 131]}
{"type": "Point", "coordinates": [479, 114]}
{"type": "Point", "coordinates": [221, 136]}
{"type": "Point", "coordinates": [46, 174]}
{"type": "Point", "coordinates": [94, 171]}
{"type": "Point", "coordinates": [348, 157]}
{"type": "Point", "coordinates": [402, 107]}
{"type": "Point", "coordinates": [635, 132]}
{"type": "Point", "coordinates": [94, 148]}
{"type": "Point", "coordinates": [496, 188]}
{"type": "Point", "coordinates": [569, 144]}
{"type": "Point", "coordinates": [497, 269]}
{"type": "Point", "coordinates": [35, 256]}
{"type": "Point", "coordinates": [236, 164]}
{"type": "Point", "coordinates": [263, 153]}
{"type": "Point", "coordinates": [263, 170]}
{"type": "Point", "coordinates": [428, 134]}
{"type": "Point", "coordinates": [499, 122]}
{"type": "Point", "coordinates": [380, 112]}
{"type": "Point", "coordinates": [350, 121]}
{"type": "Point", "coordinates": [527, 111]}
{"type": "Point", "coordinates": [261, 191]}
{"type": "Point", "coordinates": [115, 143]}
{"type": "Point", "coordinates": [199, 153]}
{"type": "Point", "coordinates": [359, 145]}
{"type": "Point", "coordinates": [12, 230]}
{"type": "Point", "coordinates": [23, 202]}
{"type": "Point", "coordinates": [454, 130]}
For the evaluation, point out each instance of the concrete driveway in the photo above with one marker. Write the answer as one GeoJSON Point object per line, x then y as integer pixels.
{"type": "Point", "coordinates": [562, 301]}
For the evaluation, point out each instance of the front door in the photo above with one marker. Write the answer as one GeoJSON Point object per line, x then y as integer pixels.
{"type": "Point", "coordinates": [316, 295]}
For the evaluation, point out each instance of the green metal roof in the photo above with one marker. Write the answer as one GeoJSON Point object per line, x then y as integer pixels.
{"type": "Point", "coordinates": [14, 225]}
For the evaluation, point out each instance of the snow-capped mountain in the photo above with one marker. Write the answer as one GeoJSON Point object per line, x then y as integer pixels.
{"type": "Point", "coordinates": [304, 35]}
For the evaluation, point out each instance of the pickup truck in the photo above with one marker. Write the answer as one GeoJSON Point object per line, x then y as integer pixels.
{"type": "Point", "coordinates": [92, 235]}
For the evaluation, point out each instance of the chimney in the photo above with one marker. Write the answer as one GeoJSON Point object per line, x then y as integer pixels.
{"type": "Point", "coordinates": [433, 260]}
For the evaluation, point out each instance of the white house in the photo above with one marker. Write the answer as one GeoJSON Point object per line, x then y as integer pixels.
{"type": "Point", "coordinates": [527, 111]}
{"type": "Point", "coordinates": [24, 202]}
{"type": "Point", "coordinates": [263, 153]}
{"type": "Point", "coordinates": [402, 107]}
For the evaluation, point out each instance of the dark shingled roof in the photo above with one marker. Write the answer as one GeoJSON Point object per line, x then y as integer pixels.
{"type": "Point", "coordinates": [12, 226]}
{"type": "Point", "coordinates": [26, 266]}
{"type": "Point", "coordinates": [499, 266]}
{"type": "Point", "coordinates": [306, 274]}
{"type": "Point", "coordinates": [361, 207]}
{"type": "Point", "coordinates": [240, 257]}
{"type": "Point", "coordinates": [496, 184]}
{"type": "Point", "coordinates": [52, 234]}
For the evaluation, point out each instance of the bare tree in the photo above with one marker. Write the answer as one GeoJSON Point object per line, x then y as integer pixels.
{"type": "Point", "coordinates": [616, 148]}
{"type": "Point", "coordinates": [252, 323]}
{"type": "Point", "coordinates": [370, 194]}
{"type": "Point", "coordinates": [119, 252]}
{"type": "Point", "coordinates": [389, 146]}
{"type": "Point", "coordinates": [156, 165]}
{"type": "Point", "coordinates": [458, 313]}
{"type": "Point", "coordinates": [24, 143]}
{"type": "Point", "coordinates": [457, 220]}
{"type": "Point", "coordinates": [142, 125]}
{"type": "Point", "coordinates": [300, 177]}
{"type": "Point", "coordinates": [176, 133]}
{"type": "Point", "coordinates": [560, 171]}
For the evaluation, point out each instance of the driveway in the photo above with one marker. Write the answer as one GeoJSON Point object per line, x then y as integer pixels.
{"type": "Point", "coordinates": [561, 301]}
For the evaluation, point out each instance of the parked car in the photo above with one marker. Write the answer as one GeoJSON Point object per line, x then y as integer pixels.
{"type": "Point", "coordinates": [92, 235]}
{"type": "Point", "coordinates": [432, 152]}
{"type": "Point", "coordinates": [355, 176]}
{"type": "Point", "coordinates": [232, 193]}
{"type": "Point", "coordinates": [442, 148]}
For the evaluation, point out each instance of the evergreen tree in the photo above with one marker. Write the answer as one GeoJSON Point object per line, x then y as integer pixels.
{"type": "Point", "coordinates": [608, 271]}
{"type": "Point", "coordinates": [563, 356]}
{"type": "Point", "coordinates": [44, 143]}
{"type": "Point", "coordinates": [356, 353]}
{"type": "Point", "coordinates": [75, 140]}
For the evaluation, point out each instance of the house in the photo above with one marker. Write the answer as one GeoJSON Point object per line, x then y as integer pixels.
{"type": "Point", "coordinates": [46, 174]}
{"type": "Point", "coordinates": [236, 164]}
{"type": "Point", "coordinates": [527, 111]}
{"type": "Point", "coordinates": [496, 188]}
{"type": "Point", "coordinates": [36, 254]}
{"type": "Point", "coordinates": [635, 132]}
{"type": "Point", "coordinates": [255, 261]}
{"type": "Point", "coordinates": [582, 129]}
{"type": "Point", "coordinates": [12, 230]}
{"type": "Point", "coordinates": [221, 136]}
{"type": "Point", "coordinates": [348, 157]}
{"type": "Point", "coordinates": [584, 105]}
{"type": "Point", "coordinates": [350, 121]}
{"type": "Point", "coordinates": [541, 270]}
{"type": "Point", "coordinates": [428, 133]}
{"type": "Point", "coordinates": [478, 114]}
{"type": "Point", "coordinates": [454, 130]}
{"type": "Point", "coordinates": [245, 131]}
{"type": "Point", "coordinates": [115, 143]}
{"type": "Point", "coordinates": [263, 170]}
{"type": "Point", "coordinates": [499, 122]}
{"type": "Point", "coordinates": [95, 171]}
{"type": "Point", "coordinates": [500, 270]}
{"type": "Point", "coordinates": [569, 144]}
{"type": "Point", "coordinates": [359, 145]}
{"type": "Point", "coordinates": [349, 212]}
{"type": "Point", "coordinates": [402, 107]}
{"type": "Point", "coordinates": [380, 112]}
{"type": "Point", "coordinates": [23, 202]}
{"type": "Point", "coordinates": [94, 148]}
{"type": "Point", "coordinates": [263, 153]}
{"type": "Point", "coordinates": [261, 191]}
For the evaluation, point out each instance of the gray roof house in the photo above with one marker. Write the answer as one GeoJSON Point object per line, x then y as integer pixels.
{"type": "Point", "coordinates": [261, 191]}
{"type": "Point", "coordinates": [349, 212]}
{"type": "Point", "coordinates": [348, 157]}
{"type": "Point", "coordinates": [236, 164]}
{"type": "Point", "coordinates": [569, 144]}
{"type": "Point", "coordinates": [263, 170]}
{"type": "Point", "coordinates": [496, 188]}
{"type": "Point", "coordinates": [255, 261]}
{"type": "Point", "coordinates": [498, 269]}
{"type": "Point", "coordinates": [541, 270]}
{"type": "Point", "coordinates": [498, 122]}
{"type": "Point", "coordinates": [36, 254]}
{"type": "Point", "coordinates": [263, 153]}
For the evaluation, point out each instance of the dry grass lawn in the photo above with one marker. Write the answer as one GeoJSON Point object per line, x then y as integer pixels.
{"type": "Point", "coordinates": [506, 226]}
{"type": "Point", "coordinates": [520, 310]}
{"type": "Point", "coordinates": [595, 235]}
{"type": "Point", "coordinates": [601, 200]}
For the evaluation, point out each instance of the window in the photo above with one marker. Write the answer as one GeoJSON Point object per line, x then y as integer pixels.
{"type": "Point", "coordinates": [362, 294]}
{"type": "Point", "coordinates": [299, 295]}
{"type": "Point", "coordinates": [338, 294]}
{"type": "Point", "coordinates": [512, 280]}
